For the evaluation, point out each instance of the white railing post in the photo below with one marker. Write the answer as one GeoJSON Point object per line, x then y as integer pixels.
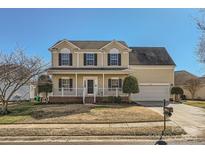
{"type": "Point", "coordinates": [62, 90]}
{"type": "Point", "coordinates": [95, 94]}
{"type": "Point", "coordinates": [103, 84]}
{"type": "Point", "coordinates": [76, 84]}
{"type": "Point", "coordinates": [83, 95]}
{"type": "Point", "coordinates": [116, 92]}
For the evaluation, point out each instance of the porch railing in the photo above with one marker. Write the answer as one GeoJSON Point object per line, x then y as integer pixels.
{"type": "Point", "coordinates": [82, 92]}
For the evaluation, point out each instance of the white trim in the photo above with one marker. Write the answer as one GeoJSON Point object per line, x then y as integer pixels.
{"type": "Point", "coordinates": [114, 51]}
{"type": "Point", "coordinates": [95, 84]}
{"type": "Point", "coordinates": [102, 58]}
{"type": "Point", "coordinates": [77, 59]}
{"type": "Point", "coordinates": [151, 66]}
{"type": "Point", "coordinates": [62, 42]}
{"type": "Point", "coordinates": [115, 78]}
{"type": "Point", "coordinates": [154, 84]}
{"type": "Point", "coordinates": [92, 52]}
{"type": "Point", "coordinates": [62, 65]}
{"type": "Point", "coordinates": [120, 44]}
{"type": "Point", "coordinates": [65, 50]}
{"type": "Point", "coordinates": [62, 72]}
{"type": "Point", "coordinates": [64, 77]}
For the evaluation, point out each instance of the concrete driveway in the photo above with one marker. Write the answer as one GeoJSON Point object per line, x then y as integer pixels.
{"type": "Point", "coordinates": [191, 119]}
{"type": "Point", "coordinates": [152, 103]}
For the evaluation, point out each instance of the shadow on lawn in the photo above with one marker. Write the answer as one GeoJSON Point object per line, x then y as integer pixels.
{"type": "Point", "coordinates": [66, 110]}
{"type": "Point", "coordinates": [52, 113]}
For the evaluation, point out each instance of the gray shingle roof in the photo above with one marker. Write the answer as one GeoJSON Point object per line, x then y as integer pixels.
{"type": "Point", "coordinates": [138, 56]}
{"type": "Point", "coordinates": [150, 56]}
{"type": "Point", "coordinates": [90, 44]}
{"type": "Point", "coordinates": [93, 44]}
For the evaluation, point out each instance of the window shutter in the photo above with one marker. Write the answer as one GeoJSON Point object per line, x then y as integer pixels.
{"type": "Point", "coordinates": [71, 59]}
{"type": "Point", "coordinates": [119, 59]}
{"type": "Point", "coordinates": [59, 59]}
{"type": "Point", "coordinates": [109, 84]}
{"type": "Point", "coordinates": [59, 84]}
{"type": "Point", "coordinates": [84, 59]}
{"type": "Point", "coordinates": [108, 59]}
{"type": "Point", "coordinates": [96, 59]}
{"type": "Point", "coordinates": [71, 84]}
{"type": "Point", "coordinates": [120, 83]}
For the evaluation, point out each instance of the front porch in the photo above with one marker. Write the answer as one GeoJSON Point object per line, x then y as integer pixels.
{"type": "Point", "coordinates": [96, 86]}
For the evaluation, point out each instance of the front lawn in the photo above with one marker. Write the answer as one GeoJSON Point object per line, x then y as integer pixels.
{"type": "Point", "coordinates": [78, 113]}
{"type": "Point", "coordinates": [196, 103]}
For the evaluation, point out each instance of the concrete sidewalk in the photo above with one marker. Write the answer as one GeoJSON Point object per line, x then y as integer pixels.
{"type": "Point", "coordinates": [97, 140]}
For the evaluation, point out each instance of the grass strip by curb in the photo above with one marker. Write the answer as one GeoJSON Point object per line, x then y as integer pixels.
{"type": "Point", "coordinates": [81, 131]}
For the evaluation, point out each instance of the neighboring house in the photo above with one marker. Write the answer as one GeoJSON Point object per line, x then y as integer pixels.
{"type": "Point", "coordinates": [96, 69]}
{"type": "Point", "coordinates": [180, 79]}
{"type": "Point", "coordinates": [21, 94]}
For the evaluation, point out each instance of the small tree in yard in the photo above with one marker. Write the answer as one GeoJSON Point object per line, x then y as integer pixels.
{"type": "Point", "coordinates": [192, 86]}
{"type": "Point", "coordinates": [44, 85]}
{"type": "Point", "coordinates": [16, 70]}
{"type": "Point", "coordinates": [130, 85]}
{"type": "Point", "coordinates": [177, 91]}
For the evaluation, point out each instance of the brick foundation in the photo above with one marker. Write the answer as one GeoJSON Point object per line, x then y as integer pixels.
{"type": "Point", "coordinates": [65, 99]}
{"type": "Point", "coordinates": [79, 100]}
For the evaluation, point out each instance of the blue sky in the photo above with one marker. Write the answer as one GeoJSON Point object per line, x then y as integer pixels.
{"type": "Point", "coordinates": [37, 29]}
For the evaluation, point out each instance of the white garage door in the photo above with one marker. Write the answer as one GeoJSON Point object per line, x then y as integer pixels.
{"type": "Point", "coordinates": [152, 93]}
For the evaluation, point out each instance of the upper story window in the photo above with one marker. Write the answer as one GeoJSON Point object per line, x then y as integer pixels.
{"type": "Point", "coordinates": [114, 57]}
{"type": "Point", "coordinates": [90, 59]}
{"type": "Point", "coordinates": [65, 57]}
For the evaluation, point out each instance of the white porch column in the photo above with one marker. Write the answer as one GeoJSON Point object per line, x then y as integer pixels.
{"type": "Point", "coordinates": [76, 84]}
{"type": "Point", "coordinates": [103, 83]}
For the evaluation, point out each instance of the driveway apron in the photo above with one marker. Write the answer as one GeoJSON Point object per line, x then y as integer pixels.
{"type": "Point", "coordinates": [191, 119]}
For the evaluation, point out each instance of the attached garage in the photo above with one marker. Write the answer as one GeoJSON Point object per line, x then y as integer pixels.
{"type": "Point", "coordinates": [152, 93]}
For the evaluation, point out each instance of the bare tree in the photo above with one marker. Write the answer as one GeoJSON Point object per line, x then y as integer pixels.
{"type": "Point", "coordinates": [201, 46]}
{"type": "Point", "coordinates": [192, 86]}
{"type": "Point", "coordinates": [16, 70]}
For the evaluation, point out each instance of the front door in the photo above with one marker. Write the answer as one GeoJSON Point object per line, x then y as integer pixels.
{"type": "Point", "coordinates": [90, 86]}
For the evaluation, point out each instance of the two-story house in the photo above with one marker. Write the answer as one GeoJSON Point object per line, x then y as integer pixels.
{"type": "Point", "coordinates": [96, 70]}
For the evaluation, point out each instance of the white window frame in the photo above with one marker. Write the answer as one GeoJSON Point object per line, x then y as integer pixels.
{"type": "Point", "coordinates": [116, 86]}
{"type": "Point", "coordinates": [90, 59]}
{"type": "Point", "coordinates": [65, 86]}
{"type": "Point", "coordinates": [65, 57]}
{"type": "Point", "coordinates": [114, 57]}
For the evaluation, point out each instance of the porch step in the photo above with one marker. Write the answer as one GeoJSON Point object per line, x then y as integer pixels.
{"type": "Point", "coordinates": [89, 100]}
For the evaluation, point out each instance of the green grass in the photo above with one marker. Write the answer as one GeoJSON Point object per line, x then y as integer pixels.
{"type": "Point", "coordinates": [18, 112]}
{"type": "Point", "coordinates": [200, 104]}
